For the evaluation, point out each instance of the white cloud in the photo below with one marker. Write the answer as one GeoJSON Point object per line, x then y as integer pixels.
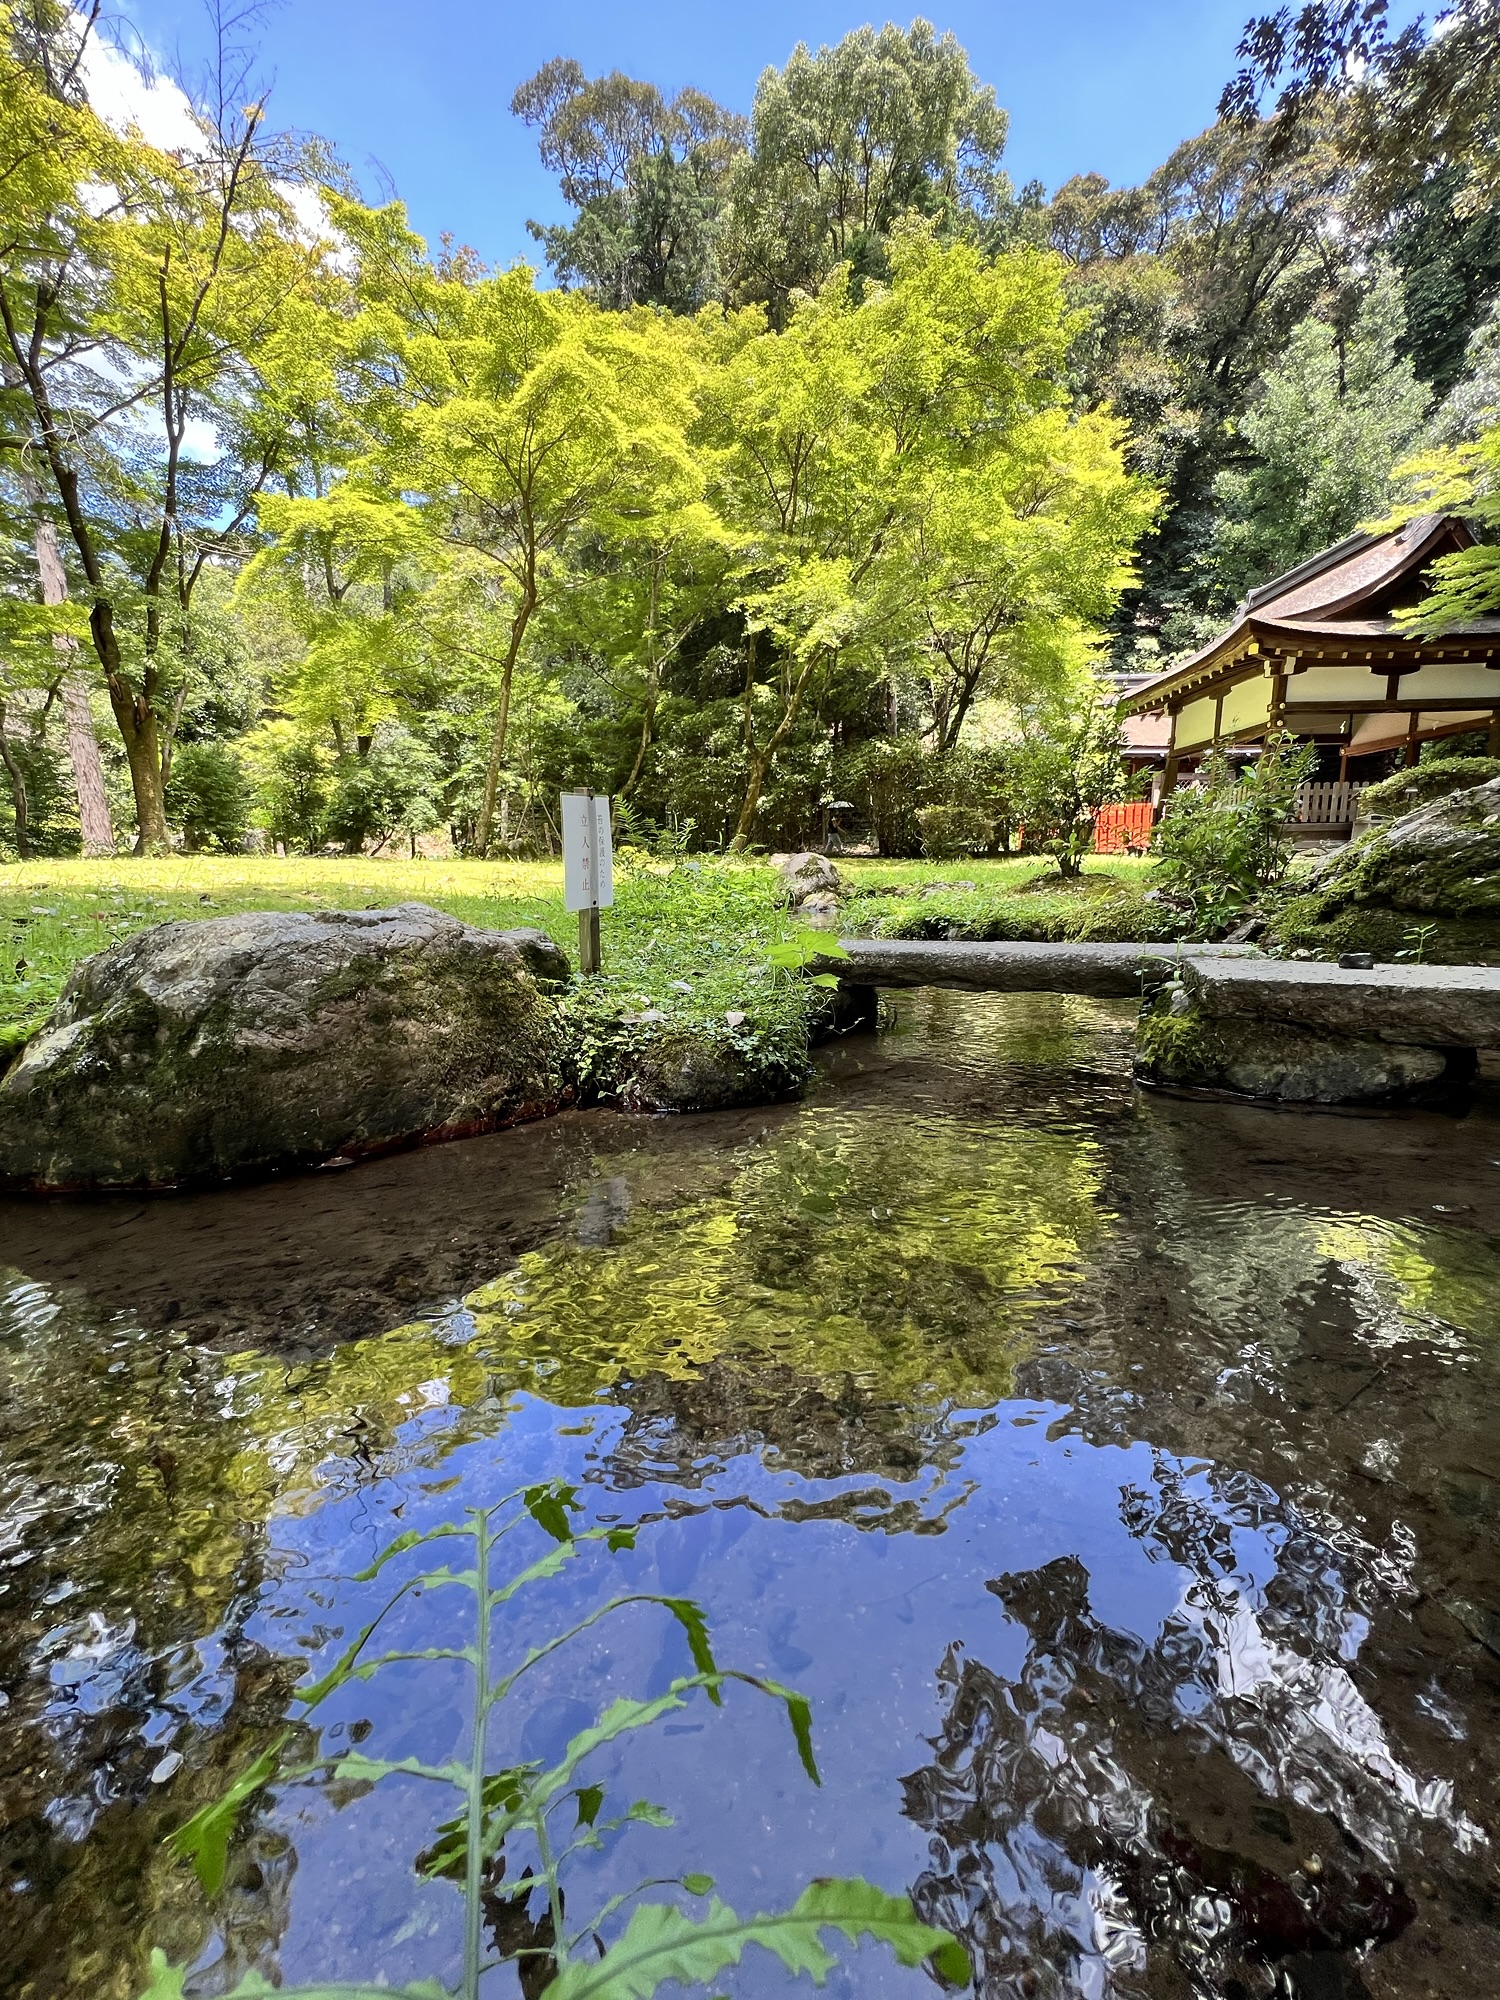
{"type": "Point", "coordinates": [123, 97]}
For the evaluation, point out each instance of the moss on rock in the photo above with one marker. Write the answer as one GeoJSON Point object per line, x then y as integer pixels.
{"type": "Point", "coordinates": [1426, 883]}
{"type": "Point", "coordinates": [1181, 1046]}
{"type": "Point", "coordinates": [1408, 791]}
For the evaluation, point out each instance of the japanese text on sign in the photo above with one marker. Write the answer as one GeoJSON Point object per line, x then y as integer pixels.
{"type": "Point", "coordinates": [588, 858]}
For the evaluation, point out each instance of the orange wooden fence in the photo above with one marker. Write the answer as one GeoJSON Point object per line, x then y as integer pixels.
{"type": "Point", "coordinates": [1123, 829]}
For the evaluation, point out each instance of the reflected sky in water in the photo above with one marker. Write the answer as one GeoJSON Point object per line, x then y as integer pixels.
{"type": "Point", "coordinates": [1119, 1477]}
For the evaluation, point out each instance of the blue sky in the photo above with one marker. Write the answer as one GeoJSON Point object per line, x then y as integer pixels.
{"type": "Point", "coordinates": [420, 92]}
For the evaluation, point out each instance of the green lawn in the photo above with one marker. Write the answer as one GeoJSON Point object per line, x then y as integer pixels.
{"type": "Point", "coordinates": [1009, 873]}
{"type": "Point", "coordinates": [702, 927]}
{"type": "Point", "coordinates": [689, 942]}
{"type": "Point", "coordinates": [52, 913]}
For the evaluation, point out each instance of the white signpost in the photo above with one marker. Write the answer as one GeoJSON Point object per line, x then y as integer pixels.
{"type": "Point", "coordinates": [588, 868]}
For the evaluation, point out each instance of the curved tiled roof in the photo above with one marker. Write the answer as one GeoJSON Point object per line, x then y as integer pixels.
{"type": "Point", "coordinates": [1308, 601]}
{"type": "Point", "coordinates": [1353, 570]}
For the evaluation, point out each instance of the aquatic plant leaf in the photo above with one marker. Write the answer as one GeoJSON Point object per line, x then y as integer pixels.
{"type": "Point", "coordinates": [344, 1668]}
{"type": "Point", "coordinates": [590, 1799]}
{"type": "Point", "coordinates": [550, 1505]}
{"type": "Point", "coordinates": [204, 1839]}
{"type": "Point", "coordinates": [799, 1714]}
{"type": "Point", "coordinates": [369, 1770]}
{"type": "Point", "coordinates": [503, 1794]}
{"type": "Point", "coordinates": [537, 1572]}
{"type": "Point", "coordinates": [690, 1617]}
{"type": "Point", "coordinates": [646, 1814]}
{"type": "Point", "coordinates": [662, 1943]}
{"type": "Point", "coordinates": [252, 1986]}
{"type": "Point", "coordinates": [166, 1980]}
{"type": "Point", "coordinates": [618, 1719]}
{"type": "Point", "coordinates": [413, 1538]}
{"type": "Point", "coordinates": [698, 1885]}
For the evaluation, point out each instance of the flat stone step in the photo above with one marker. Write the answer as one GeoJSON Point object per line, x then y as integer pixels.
{"type": "Point", "coordinates": [1440, 1006]}
{"type": "Point", "coordinates": [1104, 971]}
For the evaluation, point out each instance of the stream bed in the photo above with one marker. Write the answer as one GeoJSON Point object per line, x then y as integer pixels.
{"type": "Point", "coordinates": [1118, 1475]}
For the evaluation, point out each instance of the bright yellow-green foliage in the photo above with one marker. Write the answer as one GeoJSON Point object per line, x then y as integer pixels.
{"type": "Point", "coordinates": [1466, 479]}
{"type": "Point", "coordinates": [906, 1257]}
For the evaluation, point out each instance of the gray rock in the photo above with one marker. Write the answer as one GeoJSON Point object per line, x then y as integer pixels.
{"type": "Point", "coordinates": [1438, 1005]}
{"type": "Point", "coordinates": [807, 875]}
{"type": "Point", "coordinates": [1109, 971]}
{"type": "Point", "coordinates": [692, 1067]}
{"type": "Point", "coordinates": [198, 1052]}
{"type": "Point", "coordinates": [1316, 1034]}
{"type": "Point", "coordinates": [820, 911]}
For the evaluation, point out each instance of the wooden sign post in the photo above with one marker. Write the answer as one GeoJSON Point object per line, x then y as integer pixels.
{"type": "Point", "coordinates": [588, 868]}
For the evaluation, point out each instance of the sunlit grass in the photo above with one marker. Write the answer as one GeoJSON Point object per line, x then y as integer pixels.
{"type": "Point", "coordinates": [53, 913]}
{"type": "Point", "coordinates": [707, 933]}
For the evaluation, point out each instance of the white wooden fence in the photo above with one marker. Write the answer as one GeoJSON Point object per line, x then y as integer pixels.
{"type": "Point", "coordinates": [1329, 803]}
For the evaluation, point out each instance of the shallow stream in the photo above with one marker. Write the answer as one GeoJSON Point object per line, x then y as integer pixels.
{"type": "Point", "coordinates": [1118, 1475]}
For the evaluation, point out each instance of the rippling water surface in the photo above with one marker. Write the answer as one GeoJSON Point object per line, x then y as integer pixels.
{"type": "Point", "coordinates": [1120, 1477]}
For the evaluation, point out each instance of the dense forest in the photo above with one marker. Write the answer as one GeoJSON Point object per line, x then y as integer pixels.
{"type": "Point", "coordinates": [816, 478]}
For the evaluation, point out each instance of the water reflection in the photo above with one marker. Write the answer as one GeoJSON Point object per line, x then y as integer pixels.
{"type": "Point", "coordinates": [1119, 1477]}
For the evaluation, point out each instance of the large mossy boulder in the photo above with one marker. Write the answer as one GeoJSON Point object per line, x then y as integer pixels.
{"type": "Point", "coordinates": [200, 1052]}
{"type": "Point", "coordinates": [1426, 884]}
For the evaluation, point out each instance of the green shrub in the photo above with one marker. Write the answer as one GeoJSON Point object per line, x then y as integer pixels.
{"type": "Point", "coordinates": [209, 796]}
{"type": "Point", "coordinates": [1065, 767]}
{"type": "Point", "coordinates": [392, 789]}
{"type": "Point", "coordinates": [951, 832]}
{"type": "Point", "coordinates": [50, 805]}
{"type": "Point", "coordinates": [1222, 843]}
{"type": "Point", "coordinates": [889, 779]}
{"type": "Point", "coordinates": [1407, 791]}
{"type": "Point", "coordinates": [290, 773]}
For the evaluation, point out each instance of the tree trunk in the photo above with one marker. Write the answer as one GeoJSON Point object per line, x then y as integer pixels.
{"type": "Point", "coordinates": [496, 759]}
{"type": "Point", "coordinates": [755, 784]}
{"type": "Point", "coordinates": [492, 768]}
{"type": "Point", "coordinates": [761, 759]}
{"type": "Point", "coordinates": [138, 731]}
{"type": "Point", "coordinates": [17, 792]}
{"type": "Point", "coordinates": [648, 727]}
{"type": "Point", "coordinates": [83, 744]}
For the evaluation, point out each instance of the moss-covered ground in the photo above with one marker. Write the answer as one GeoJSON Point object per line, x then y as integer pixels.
{"type": "Point", "coordinates": [1021, 900]}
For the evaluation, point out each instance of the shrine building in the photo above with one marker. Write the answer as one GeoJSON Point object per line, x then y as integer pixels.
{"type": "Point", "coordinates": [1316, 652]}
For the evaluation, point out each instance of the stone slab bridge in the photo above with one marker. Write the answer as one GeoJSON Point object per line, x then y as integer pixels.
{"type": "Point", "coordinates": [1226, 1018]}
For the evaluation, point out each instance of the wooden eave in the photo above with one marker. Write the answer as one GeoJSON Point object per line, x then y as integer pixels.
{"type": "Point", "coordinates": [1258, 646]}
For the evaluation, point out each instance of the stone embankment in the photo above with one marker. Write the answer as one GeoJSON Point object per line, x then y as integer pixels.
{"type": "Point", "coordinates": [1311, 1033]}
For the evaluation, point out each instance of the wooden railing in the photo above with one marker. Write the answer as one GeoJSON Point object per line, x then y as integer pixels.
{"type": "Point", "coordinates": [1331, 802]}
{"type": "Point", "coordinates": [1124, 829]}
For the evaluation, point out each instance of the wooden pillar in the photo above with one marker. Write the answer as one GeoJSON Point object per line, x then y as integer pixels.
{"type": "Point", "coordinates": [1169, 769]}
{"type": "Point", "coordinates": [1412, 746]}
{"type": "Point", "coordinates": [1276, 720]}
{"type": "Point", "coordinates": [588, 940]}
{"type": "Point", "coordinates": [1492, 739]}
